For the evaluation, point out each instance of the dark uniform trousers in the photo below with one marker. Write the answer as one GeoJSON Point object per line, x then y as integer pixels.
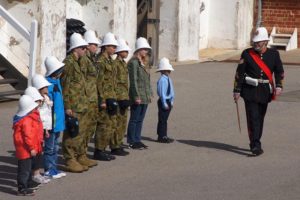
{"type": "Point", "coordinates": [255, 113]}
{"type": "Point", "coordinates": [163, 116]}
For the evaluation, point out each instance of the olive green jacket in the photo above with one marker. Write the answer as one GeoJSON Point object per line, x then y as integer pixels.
{"type": "Point", "coordinates": [106, 81]}
{"type": "Point", "coordinates": [74, 85]}
{"type": "Point", "coordinates": [90, 74]}
{"type": "Point", "coordinates": [139, 79]}
{"type": "Point", "coordinates": [122, 88]}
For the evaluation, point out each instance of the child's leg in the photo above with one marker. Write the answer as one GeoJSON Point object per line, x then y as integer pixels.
{"type": "Point", "coordinates": [163, 116]}
{"type": "Point", "coordinates": [24, 173]}
{"type": "Point", "coordinates": [50, 151]}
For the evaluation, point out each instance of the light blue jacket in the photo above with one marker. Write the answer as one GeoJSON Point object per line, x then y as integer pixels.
{"type": "Point", "coordinates": [162, 90]}
{"type": "Point", "coordinates": [55, 94]}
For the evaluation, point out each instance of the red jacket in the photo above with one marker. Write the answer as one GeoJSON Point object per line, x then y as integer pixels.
{"type": "Point", "coordinates": [28, 135]}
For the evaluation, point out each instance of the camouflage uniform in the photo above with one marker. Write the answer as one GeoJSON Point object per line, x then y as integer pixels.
{"type": "Point", "coordinates": [75, 98]}
{"type": "Point", "coordinates": [122, 94]}
{"type": "Point", "coordinates": [106, 83]}
{"type": "Point", "coordinates": [90, 71]}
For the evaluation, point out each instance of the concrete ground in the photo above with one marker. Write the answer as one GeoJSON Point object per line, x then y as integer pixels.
{"type": "Point", "coordinates": [209, 159]}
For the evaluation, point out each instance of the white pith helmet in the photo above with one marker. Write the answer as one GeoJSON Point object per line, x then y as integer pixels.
{"type": "Point", "coordinates": [109, 39]}
{"type": "Point", "coordinates": [90, 37]}
{"type": "Point", "coordinates": [141, 43]}
{"type": "Point", "coordinates": [76, 40]}
{"type": "Point", "coordinates": [123, 46]}
{"type": "Point", "coordinates": [261, 34]}
{"type": "Point", "coordinates": [33, 93]}
{"type": "Point", "coordinates": [52, 65]}
{"type": "Point", "coordinates": [38, 81]}
{"type": "Point", "coordinates": [164, 64]}
{"type": "Point", "coordinates": [26, 104]}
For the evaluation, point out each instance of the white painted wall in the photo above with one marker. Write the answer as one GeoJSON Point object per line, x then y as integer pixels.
{"type": "Point", "coordinates": [125, 20]}
{"type": "Point", "coordinates": [74, 9]}
{"type": "Point", "coordinates": [52, 30]}
{"type": "Point", "coordinates": [188, 30]}
{"type": "Point", "coordinates": [168, 29]}
{"type": "Point", "coordinates": [204, 24]}
{"type": "Point", "coordinates": [230, 23]}
{"type": "Point", "coordinates": [223, 24]}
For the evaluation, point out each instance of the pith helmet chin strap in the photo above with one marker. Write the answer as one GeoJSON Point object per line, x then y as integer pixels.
{"type": "Point", "coordinates": [260, 48]}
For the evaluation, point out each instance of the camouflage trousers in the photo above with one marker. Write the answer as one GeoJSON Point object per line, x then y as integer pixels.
{"type": "Point", "coordinates": [118, 135]}
{"type": "Point", "coordinates": [74, 147]}
{"type": "Point", "coordinates": [92, 115]}
{"type": "Point", "coordinates": [106, 126]}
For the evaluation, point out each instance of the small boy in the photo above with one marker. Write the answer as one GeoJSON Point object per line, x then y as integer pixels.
{"type": "Point", "coordinates": [54, 70]}
{"type": "Point", "coordinates": [165, 92]}
{"type": "Point", "coordinates": [28, 132]}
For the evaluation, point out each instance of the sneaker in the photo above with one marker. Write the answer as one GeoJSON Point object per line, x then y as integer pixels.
{"type": "Point", "coordinates": [25, 192]}
{"type": "Point", "coordinates": [143, 145]}
{"type": "Point", "coordinates": [52, 174]}
{"type": "Point", "coordinates": [257, 151]}
{"type": "Point", "coordinates": [33, 185]}
{"type": "Point", "coordinates": [60, 173]}
{"type": "Point", "coordinates": [165, 139]}
{"type": "Point", "coordinates": [40, 179]}
{"type": "Point", "coordinates": [135, 146]}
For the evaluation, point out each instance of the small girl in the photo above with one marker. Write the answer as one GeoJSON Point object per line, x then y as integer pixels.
{"type": "Point", "coordinates": [28, 132]}
{"type": "Point", "coordinates": [165, 92]}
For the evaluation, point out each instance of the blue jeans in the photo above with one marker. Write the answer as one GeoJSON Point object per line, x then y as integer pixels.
{"type": "Point", "coordinates": [51, 151]}
{"type": "Point", "coordinates": [137, 115]}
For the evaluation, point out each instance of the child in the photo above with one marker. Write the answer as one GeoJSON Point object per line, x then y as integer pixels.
{"type": "Point", "coordinates": [37, 97]}
{"type": "Point", "coordinates": [28, 132]}
{"type": "Point", "coordinates": [165, 92]}
{"type": "Point", "coordinates": [54, 71]}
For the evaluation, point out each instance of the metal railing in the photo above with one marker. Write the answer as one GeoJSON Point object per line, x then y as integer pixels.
{"type": "Point", "coordinates": [30, 36]}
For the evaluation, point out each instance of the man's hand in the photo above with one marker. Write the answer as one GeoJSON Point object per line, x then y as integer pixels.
{"type": "Point", "coordinates": [278, 91]}
{"type": "Point", "coordinates": [236, 96]}
{"type": "Point", "coordinates": [69, 112]}
{"type": "Point", "coordinates": [103, 106]}
{"type": "Point", "coordinates": [138, 101]}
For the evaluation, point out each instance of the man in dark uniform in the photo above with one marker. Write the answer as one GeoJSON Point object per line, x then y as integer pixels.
{"type": "Point", "coordinates": [254, 83]}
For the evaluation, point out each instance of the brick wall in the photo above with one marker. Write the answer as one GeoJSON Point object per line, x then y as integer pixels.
{"type": "Point", "coordinates": [283, 14]}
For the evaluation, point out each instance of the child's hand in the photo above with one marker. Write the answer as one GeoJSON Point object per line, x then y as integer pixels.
{"type": "Point", "coordinates": [47, 134]}
{"type": "Point", "coordinates": [33, 152]}
{"type": "Point", "coordinates": [69, 112]}
{"type": "Point", "coordinates": [167, 108]}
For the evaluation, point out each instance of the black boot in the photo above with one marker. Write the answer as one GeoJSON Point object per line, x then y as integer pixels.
{"type": "Point", "coordinates": [102, 155]}
{"type": "Point", "coordinates": [119, 152]}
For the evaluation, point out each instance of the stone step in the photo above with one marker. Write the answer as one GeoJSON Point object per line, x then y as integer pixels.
{"type": "Point", "coordinates": [10, 93]}
{"type": "Point", "coordinates": [278, 44]}
{"type": "Point", "coordinates": [281, 35]}
{"type": "Point", "coordinates": [8, 81]}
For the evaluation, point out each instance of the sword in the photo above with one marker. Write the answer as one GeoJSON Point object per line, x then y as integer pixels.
{"type": "Point", "coordinates": [238, 115]}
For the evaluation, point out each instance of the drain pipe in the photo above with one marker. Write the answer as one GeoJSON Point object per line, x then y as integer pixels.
{"type": "Point", "coordinates": [258, 23]}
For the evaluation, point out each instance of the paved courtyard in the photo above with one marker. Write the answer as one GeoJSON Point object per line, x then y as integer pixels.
{"type": "Point", "coordinates": [209, 159]}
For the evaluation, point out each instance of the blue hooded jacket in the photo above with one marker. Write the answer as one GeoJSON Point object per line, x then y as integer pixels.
{"type": "Point", "coordinates": [58, 111]}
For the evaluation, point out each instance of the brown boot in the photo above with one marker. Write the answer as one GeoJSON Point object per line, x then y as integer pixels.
{"type": "Point", "coordinates": [73, 166]}
{"type": "Point", "coordinates": [85, 161]}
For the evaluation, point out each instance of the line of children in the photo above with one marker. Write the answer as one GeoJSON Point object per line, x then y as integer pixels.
{"type": "Point", "coordinates": [48, 97]}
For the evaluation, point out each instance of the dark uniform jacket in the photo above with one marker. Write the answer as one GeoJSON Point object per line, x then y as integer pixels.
{"type": "Point", "coordinates": [248, 67]}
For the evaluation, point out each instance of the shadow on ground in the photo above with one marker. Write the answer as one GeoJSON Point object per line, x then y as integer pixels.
{"type": "Point", "coordinates": [218, 146]}
{"type": "Point", "coordinates": [8, 174]}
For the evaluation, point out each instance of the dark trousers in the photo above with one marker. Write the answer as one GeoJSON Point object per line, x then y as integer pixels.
{"type": "Point", "coordinates": [134, 129]}
{"type": "Point", "coordinates": [255, 113]}
{"type": "Point", "coordinates": [163, 115]}
{"type": "Point", "coordinates": [25, 168]}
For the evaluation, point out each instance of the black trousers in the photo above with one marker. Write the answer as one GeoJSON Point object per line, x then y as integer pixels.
{"type": "Point", "coordinates": [255, 113]}
{"type": "Point", "coordinates": [163, 115]}
{"type": "Point", "coordinates": [25, 168]}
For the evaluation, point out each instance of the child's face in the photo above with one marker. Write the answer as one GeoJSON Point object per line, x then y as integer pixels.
{"type": "Point", "coordinates": [39, 102]}
{"type": "Point", "coordinates": [165, 72]}
{"type": "Point", "coordinates": [43, 91]}
{"type": "Point", "coordinates": [123, 54]}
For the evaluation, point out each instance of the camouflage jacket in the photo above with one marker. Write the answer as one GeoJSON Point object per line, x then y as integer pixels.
{"type": "Point", "coordinates": [122, 79]}
{"type": "Point", "coordinates": [90, 73]}
{"type": "Point", "coordinates": [139, 79]}
{"type": "Point", "coordinates": [74, 86]}
{"type": "Point", "coordinates": [106, 81]}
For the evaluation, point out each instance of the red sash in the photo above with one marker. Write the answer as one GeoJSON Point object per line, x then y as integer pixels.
{"type": "Point", "coordinates": [264, 68]}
